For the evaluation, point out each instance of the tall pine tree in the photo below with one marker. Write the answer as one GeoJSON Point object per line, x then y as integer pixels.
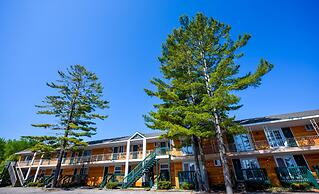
{"type": "Point", "coordinates": [79, 95]}
{"type": "Point", "coordinates": [200, 68]}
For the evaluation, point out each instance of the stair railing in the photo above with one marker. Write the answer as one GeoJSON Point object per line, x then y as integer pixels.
{"type": "Point", "coordinates": [127, 180]}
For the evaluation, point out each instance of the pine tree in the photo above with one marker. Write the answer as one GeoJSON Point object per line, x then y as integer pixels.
{"type": "Point", "coordinates": [201, 75]}
{"type": "Point", "coordinates": [79, 95]}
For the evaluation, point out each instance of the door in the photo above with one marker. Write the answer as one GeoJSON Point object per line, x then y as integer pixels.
{"type": "Point", "coordinates": [163, 148]}
{"type": "Point", "coordinates": [135, 152]}
{"type": "Point", "coordinates": [289, 137]}
{"type": "Point", "coordinates": [288, 167]}
{"type": "Point", "coordinates": [275, 137]}
{"type": "Point", "coordinates": [115, 153]}
{"type": "Point", "coordinates": [300, 160]}
{"type": "Point", "coordinates": [243, 142]}
{"type": "Point", "coordinates": [238, 171]}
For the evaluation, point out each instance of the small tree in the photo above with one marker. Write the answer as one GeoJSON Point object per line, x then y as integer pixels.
{"type": "Point", "coordinates": [201, 71]}
{"type": "Point", "coordinates": [79, 95]}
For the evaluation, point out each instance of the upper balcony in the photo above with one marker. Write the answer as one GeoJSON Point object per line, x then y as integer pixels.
{"type": "Point", "coordinates": [304, 143]}
{"type": "Point", "coordinates": [94, 159]}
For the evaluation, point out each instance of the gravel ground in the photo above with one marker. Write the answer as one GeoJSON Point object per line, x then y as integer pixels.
{"type": "Point", "coordinates": [28, 190]}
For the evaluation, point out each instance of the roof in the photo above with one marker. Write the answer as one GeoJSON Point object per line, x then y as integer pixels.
{"type": "Point", "coordinates": [123, 138]}
{"type": "Point", "coordinates": [279, 117]}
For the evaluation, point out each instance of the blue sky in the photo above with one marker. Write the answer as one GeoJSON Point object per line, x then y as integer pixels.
{"type": "Point", "coordinates": [121, 40]}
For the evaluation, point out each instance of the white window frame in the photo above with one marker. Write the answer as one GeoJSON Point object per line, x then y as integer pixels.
{"type": "Point", "coordinates": [275, 143]}
{"type": "Point", "coordinates": [285, 156]}
{"type": "Point", "coordinates": [252, 158]}
{"type": "Point", "coordinates": [161, 168]}
{"type": "Point", "coordinates": [240, 143]}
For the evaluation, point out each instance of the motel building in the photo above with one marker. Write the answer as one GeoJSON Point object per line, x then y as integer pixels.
{"type": "Point", "coordinates": [277, 149]}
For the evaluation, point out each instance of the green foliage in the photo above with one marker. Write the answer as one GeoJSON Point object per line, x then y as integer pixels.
{"type": "Point", "coordinates": [187, 186]}
{"type": "Point", "coordinates": [112, 185]}
{"type": "Point", "coordinates": [78, 96]}
{"type": "Point", "coordinates": [165, 185]}
{"type": "Point", "coordinates": [300, 186]}
{"type": "Point", "coordinates": [10, 147]}
{"type": "Point", "coordinates": [200, 69]}
{"type": "Point", "coordinates": [252, 186]}
{"type": "Point", "coordinates": [35, 184]}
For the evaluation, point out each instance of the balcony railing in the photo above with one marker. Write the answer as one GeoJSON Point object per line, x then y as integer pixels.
{"type": "Point", "coordinates": [258, 175]}
{"type": "Point", "coordinates": [93, 158]}
{"type": "Point", "coordinates": [265, 145]}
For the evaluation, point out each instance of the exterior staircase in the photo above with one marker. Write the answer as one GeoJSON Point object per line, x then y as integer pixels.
{"type": "Point", "coordinates": [142, 168]}
{"type": "Point", "coordinates": [288, 175]}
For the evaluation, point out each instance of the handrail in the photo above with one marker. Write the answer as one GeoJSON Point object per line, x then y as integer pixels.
{"type": "Point", "coordinates": [132, 175]}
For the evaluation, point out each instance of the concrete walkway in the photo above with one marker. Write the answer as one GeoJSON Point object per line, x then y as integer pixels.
{"type": "Point", "coordinates": [31, 190]}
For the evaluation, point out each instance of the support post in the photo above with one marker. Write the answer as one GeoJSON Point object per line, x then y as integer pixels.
{"type": "Point", "coordinates": [127, 159]}
{"type": "Point", "coordinates": [143, 157]}
{"type": "Point", "coordinates": [30, 166]}
{"type": "Point", "coordinates": [38, 169]}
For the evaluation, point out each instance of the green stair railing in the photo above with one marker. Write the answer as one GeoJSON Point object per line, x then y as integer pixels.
{"type": "Point", "coordinates": [316, 169]}
{"type": "Point", "coordinates": [105, 180]}
{"type": "Point", "coordinates": [140, 169]}
{"type": "Point", "coordinates": [288, 175]}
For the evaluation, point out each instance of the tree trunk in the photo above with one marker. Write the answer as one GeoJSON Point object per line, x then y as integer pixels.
{"type": "Point", "coordinates": [223, 158]}
{"type": "Point", "coordinates": [57, 169]}
{"type": "Point", "coordinates": [204, 173]}
{"type": "Point", "coordinates": [196, 153]}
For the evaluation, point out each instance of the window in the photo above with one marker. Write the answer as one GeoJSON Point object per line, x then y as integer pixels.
{"type": "Point", "coordinates": [286, 161]}
{"type": "Point", "coordinates": [188, 166]}
{"type": "Point", "coordinates": [243, 142]}
{"type": "Point", "coordinates": [84, 171]}
{"type": "Point", "coordinates": [164, 166]}
{"type": "Point", "coordinates": [249, 163]}
{"type": "Point", "coordinates": [187, 148]}
{"type": "Point", "coordinates": [117, 169]}
{"type": "Point", "coordinates": [121, 149]}
{"type": "Point", "coordinates": [309, 127]}
{"type": "Point", "coordinates": [217, 163]}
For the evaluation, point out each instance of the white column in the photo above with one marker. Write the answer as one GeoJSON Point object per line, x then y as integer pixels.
{"type": "Point", "coordinates": [144, 155]}
{"type": "Point", "coordinates": [144, 148]}
{"type": "Point", "coordinates": [37, 172]}
{"type": "Point", "coordinates": [29, 170]}
{"type": "Point", "coordinates": [127, 158]}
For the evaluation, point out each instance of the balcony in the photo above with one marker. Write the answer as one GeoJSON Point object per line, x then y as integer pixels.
{"type": "Point", "coordinates": [303, 141]}
{"type": "Point", "coordinates": [255, 175]}
{"type": "Point", "coordinates": [288, 175]}
{"type": "Point", "coordinates": [93, 158]}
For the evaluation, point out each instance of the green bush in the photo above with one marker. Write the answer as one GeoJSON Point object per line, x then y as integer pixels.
{"type": "Point", "coordinates": [187, 186]}
{"type": "Point", "coordinates": [164, 185]}
{"type": "Point", "coordinates": [112, 185]}
{"type": "Point", "coordinates": [35, 184]}
{"type": "Point", "coordinates": [256, 186]}
{"type": "Point", "coordinates": [300, 186]}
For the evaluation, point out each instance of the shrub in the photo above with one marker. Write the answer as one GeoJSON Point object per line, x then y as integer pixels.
{"type": "Point", "coordinates": [187, 186]}
{"type": "Point", "coordinates": [300, 186]}
{"type": "Point", "coordinates": [256, 186]}
{"type": "Point", "coordinates": [35, 184]}
{"type": "Point", "coordinates": [112, 185]}
{"type": "Point", "coordinates": [164, 185]}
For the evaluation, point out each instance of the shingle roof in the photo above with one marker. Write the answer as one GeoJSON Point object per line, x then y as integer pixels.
{"type": "Point", "coordinates": [279, 117]}
{"type": "Point", "coordinates": [115, 139]}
